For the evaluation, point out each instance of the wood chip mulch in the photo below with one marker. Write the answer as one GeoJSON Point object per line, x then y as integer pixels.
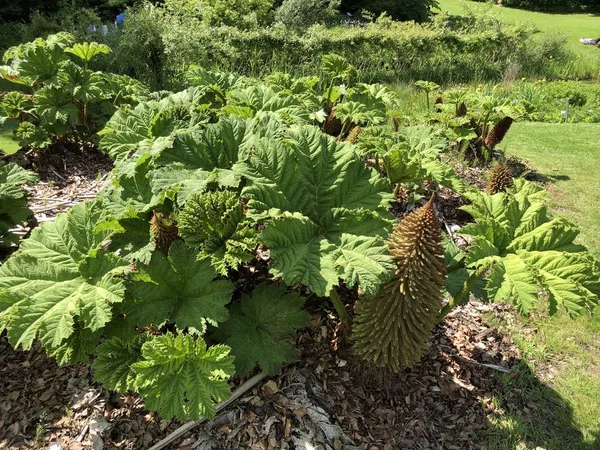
{"type": "Point", "coordinates": [329, 399]}
{"type": "Point", "coordinates": [68, 175]}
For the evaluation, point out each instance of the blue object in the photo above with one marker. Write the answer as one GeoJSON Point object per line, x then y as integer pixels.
{"type": "Point", "coordinates": [120, 20]}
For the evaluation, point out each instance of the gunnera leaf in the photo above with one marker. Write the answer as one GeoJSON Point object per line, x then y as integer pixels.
{"type": "Point", "coordinates": [60, 277]}
{"type": "Point", "coordinates": [213, 223]}
{"type": "Point", "coordinates": [178, 376]}
{"type": "Point", "coordinates": [326, 214]}
{"type": "Point", "coordinates": [500, 179]}
{"type": "Point", "coordinates": [260, 327]}
{"type": "Point", "coordinates": [13, 200]}
{"type": "Point", "coordinates": [178, 289]}
{"type": "Point", "coordinates": [392, 328]}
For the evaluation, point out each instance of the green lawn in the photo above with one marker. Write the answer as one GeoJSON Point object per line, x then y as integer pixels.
{"type": "Point", "coordinates": [560, 371]}
{"type": "Point", "coordinates": [573, 26]}
{"type": "Point", "coordinates": [568, 156]}
{"type": "Point", "coordinates": [7, 144]}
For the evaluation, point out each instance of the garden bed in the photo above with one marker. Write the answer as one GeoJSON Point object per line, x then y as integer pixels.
{"type": "Point", "coordinates": [328, 398]}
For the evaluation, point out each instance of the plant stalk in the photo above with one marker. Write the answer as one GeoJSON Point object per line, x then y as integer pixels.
{"type": "Point", "coordinates": [339, 307]}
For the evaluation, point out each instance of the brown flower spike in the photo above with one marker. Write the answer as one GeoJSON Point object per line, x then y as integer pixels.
{"type": "Point", "coordinates": [392, 328]}
{"type": "Point", "coordinates": [500, 179]}
{"type": "Point", "coordinates": [498, 132]}
{"type": "Point", "coordinates": [164, 230]}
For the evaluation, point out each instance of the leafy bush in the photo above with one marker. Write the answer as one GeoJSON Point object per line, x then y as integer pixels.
{"type": "Point", "coordinates": [214, 13]}
{"type": "Point", "coordinates": [301, 14]}
{"type": "Point", "coordinates": [70, 101]}
{"type": "Point", "coordinates": [417, 10]}
{"type": "Point", "coordinates": [159, 47]}
{"type": "Point", "coordinates": [545, 101]}
{"type": "Point", "coordinates": [229, 203]}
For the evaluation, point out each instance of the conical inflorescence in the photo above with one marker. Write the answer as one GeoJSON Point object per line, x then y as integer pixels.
{"type": "Point", "coordinates": [353, 135]}
{"type": "Point", "coordinates": [499, 179]}
{"type": "Point", "coordinates": [498, 132]}
{"type": "Point", "coordinates": [164, 230]}
{"type": "Point", "coordinates": [392, 328]}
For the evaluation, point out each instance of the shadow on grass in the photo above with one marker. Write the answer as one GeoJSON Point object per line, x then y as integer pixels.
{"type": "Point", "coordinates": [533, 414]}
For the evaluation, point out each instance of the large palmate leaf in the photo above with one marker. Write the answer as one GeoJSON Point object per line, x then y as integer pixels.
{"type": "Point", "coordinates": [60, 274]}
{"type": "Point", "coordinates": [178, 289]}
{"type": "Point", "coordinates": [201, 158]}
{"type": "Point", "coordinates": [86, 51]}
{"type": "Point", "coordinates": [129, 129]}
{"type": "Point", "coordinates": [149, 127]}
{"type": "Point", "coordinates": [37, 62]}
{"type": "Point", "coordinates": [113, 366]}
{"type": "Point", "coordinates": [416, 158]}
{"type": "Point", "coordinates": [260, 326]}
{"type": "Point", "coordinates": [529, 253]}
{"type": "Point", "coordinates": [179, 377]}
{"type": "Point", "coordinates": [327, 213]}
{"type": "Point", "coordinates": [13, 200]}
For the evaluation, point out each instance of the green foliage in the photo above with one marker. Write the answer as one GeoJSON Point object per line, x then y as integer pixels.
{"type": "Point", "coordinates": [545, 101]}
{"type": "Point", "coordinates": [180, 377]}
{"type": "Point", "coordinates": [326, 212]}
{"type": "Point", "coordinates": [417, 10]}
{"type": "Point", "coordinates": [415, 158]}
{"type": "Point", "coordinates": [528, 252]}
{"type": "Point", "coordinates": [213, 223]}
{"type": "Point", "coordinates": [177, 375]}
{"type": "Point", "coordinates": [13, 201]}
{"type": "Point", "coordinates": [260, 327]}
{"type": "Point", "coordinates": [301, 14]}
{"type": "Point", "coordinates": [237, 13]}
{"type": "Point", "coordinates": [237, 170]}
{"type": "Point", "coordinates": [58, 279]}
{"type": "Point", "coordinates": [87, 51]}
{"type": "Point", "coordinates": [158, 47]}
{"type": "Point", "coordinates": [70, 102]}
{"type": "Point", "coordinates": [177, 289]}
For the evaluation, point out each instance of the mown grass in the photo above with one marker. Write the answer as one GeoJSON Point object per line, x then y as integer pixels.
{"type": "Point", "coordinates": [560, 369]}
{"type": "Point", "coordinates": [7, 144]}
{"type": "Point", "coordinates": [572, 26]}
{"type": "Point", "coordinates": [567, 156]}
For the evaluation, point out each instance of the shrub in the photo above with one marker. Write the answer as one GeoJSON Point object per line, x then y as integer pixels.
{"type": "Point", "coordinates": [70, 101]}
{"type": "Point", "coordinates": [417, 10]}
{"type": "Point", "coordinates": [301, 14]}
{"type": "Point", "coordinates": [237, 13]}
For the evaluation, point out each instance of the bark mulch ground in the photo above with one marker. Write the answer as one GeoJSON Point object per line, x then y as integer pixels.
{"type": "Point", "coordinates": [327, 400]}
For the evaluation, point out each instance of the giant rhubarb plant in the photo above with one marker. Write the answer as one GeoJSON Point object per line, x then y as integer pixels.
{"type": "Point", "coordinates": [521, 253]}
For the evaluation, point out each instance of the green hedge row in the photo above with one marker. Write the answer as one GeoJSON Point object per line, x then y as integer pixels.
{"type": "Point", "coordinates": [384, 51]}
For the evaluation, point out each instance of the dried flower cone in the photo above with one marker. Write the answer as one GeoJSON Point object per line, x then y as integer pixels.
{"type": "Point", "coordinates": [333, 125]}
{"type": "Point", "coordinates": [498, 132]}
{"type": "Point", "coordinates": [500, 179]}
{"type": "Point", "coordinates": [461, 111]}
{"type": "Point", "coordinates": [353, 135]}
{"type": "Point", "coordinates": [392, 328]}
{"type": "Point", "coordinates": [164, 230]}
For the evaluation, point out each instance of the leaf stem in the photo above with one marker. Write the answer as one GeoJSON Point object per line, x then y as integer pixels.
{"type": "Point", "coordinates": [339, 306]}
